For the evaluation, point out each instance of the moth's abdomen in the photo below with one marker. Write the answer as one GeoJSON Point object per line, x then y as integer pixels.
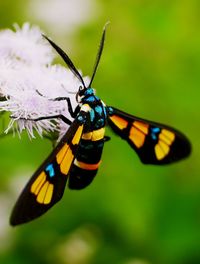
{"type": "Point", "coordinates": [87, 160]}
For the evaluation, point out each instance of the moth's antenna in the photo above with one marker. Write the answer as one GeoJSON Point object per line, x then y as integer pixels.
{"type": "Point", "coordinates": [66, 59]}
{"type": "Point", "coordinates": [99, 53]}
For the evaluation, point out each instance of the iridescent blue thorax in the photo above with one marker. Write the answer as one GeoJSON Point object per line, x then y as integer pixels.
{"type": "Point", "coordinates": [97, 110]}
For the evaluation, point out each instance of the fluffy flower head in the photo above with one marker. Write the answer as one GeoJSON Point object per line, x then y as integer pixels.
{"type": "Point", "coordinates": [29, 84]}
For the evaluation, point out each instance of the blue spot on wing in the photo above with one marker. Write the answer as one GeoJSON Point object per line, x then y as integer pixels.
{"type": "Point", "coordinates": [50, 170]}
{"type": "Point", "coordinates": [154, 132]}
{"type": "Point", "coordinates": [155, 129]}
{"type": "Point", "coordinates": [110, 110]}
{"type": "Point", "coordinates": [154, 137]}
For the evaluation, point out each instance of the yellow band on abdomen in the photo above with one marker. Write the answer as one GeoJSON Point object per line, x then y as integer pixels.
{"type": "Point", "coordinates": [94, 135]}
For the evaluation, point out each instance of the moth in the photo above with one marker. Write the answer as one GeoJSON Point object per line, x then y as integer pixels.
{"type": "Point", "coordinates": [77, 157]}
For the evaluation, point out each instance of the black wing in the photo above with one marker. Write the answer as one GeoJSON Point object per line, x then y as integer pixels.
{"type": "Point", "coordinates": [154, 143]}
{"type": "Point", "coordinates": [46, 186]}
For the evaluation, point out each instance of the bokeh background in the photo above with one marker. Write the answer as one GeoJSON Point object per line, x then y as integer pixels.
{"type": "Point", "coordinates": [132, 213]}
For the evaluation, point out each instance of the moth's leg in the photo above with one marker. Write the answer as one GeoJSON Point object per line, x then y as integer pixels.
{"type": "Point", "coordinates": [62, 117]}
{"type": "Point", "coordinates": [61, 98]}
{"type": "Point", "coordinates": [70, 109]}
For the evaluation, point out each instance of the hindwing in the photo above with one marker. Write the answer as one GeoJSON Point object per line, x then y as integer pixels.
{"type": "Point", "coordinates": [154, 143]}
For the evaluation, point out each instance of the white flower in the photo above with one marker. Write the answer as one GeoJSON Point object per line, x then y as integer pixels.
{"type": "Point", "coordinates": [28, 85]}
{"type": "Point", "coordinates": [25, 45]}
{"type": "Point", "coordinates": [30, 94]}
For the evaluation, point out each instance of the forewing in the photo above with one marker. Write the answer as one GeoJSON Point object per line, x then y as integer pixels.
{"type": "Point", "coordinates": [154, 143]}
{"type": "Point", "coordinates": [47, 184]}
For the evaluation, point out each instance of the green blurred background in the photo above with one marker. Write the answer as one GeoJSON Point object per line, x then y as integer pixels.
{"type": "Point", "coordinates": [132, 213]}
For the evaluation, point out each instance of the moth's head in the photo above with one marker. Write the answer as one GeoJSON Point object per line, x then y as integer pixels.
{"type": "Point", "coordinates": [83, 92]}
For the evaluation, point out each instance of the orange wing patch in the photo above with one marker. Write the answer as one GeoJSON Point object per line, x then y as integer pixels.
{"type": "Point", "coordinates": [65, 156]}
{"type": "Point", "coordinates": [141, 126]}
{"type": "Point", "coordinates": [37, 184]}
{"type": "Point", "coordinates": [45, 194]}
{"type": "Point", "coordinates": [138, 133]}
{"type": "Point", "coordinates": [119, 122]}
{"type": "Point", "coordinates": [61, 154]}
{"type": "Point", "coordinates": [42, 189]}
{"type": "Point", "coordinates": [77, 135]}
{"type": "Point", "coordinates": [162, 148]}
{"type": "Point", "coordinates": [137, 137]}
{"type": "Point", "coordinates": [66, 161]}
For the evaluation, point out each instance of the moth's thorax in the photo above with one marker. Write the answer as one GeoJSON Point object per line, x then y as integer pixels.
{"type": "Point", "coordinates": [97, 114]}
